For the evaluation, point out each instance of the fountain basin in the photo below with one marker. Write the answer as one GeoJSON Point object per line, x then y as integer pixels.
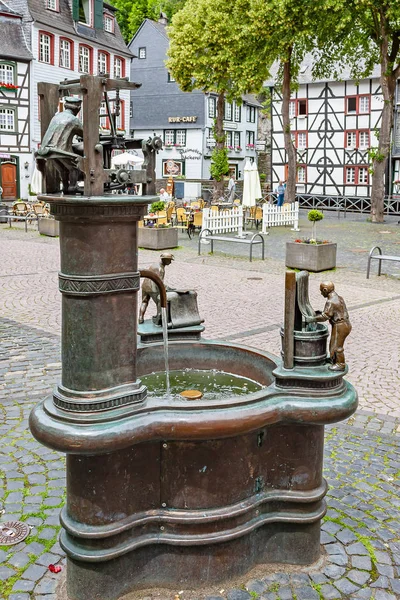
{"type": "Point", "coordinates": [193, 493]}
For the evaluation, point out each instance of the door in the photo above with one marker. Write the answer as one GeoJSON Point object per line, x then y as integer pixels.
{"type": "Point", "coordinates": [9, 181]}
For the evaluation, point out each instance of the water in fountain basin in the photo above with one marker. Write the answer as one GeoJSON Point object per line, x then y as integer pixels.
{"type": "Point", "coordinates": [165, 339]}
{"type": "Point", "coordinates": [214, 385]}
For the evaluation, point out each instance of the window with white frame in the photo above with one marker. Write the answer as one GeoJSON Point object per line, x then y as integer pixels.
{"type": "Point", "coordinates": [45, 41]}
{"type": "Point", "coordinates": [7, 119]}
{"type": "Point", "coordinates": [364, 104]}
{"type": "Point", "coordinates": [175, 137]}
{"type": "Point", "coordinates": [302, 140]}
{"type": "Point", "coordinates": [292, 109]}
{"type": "Point", "coordinates": [238, 111]}
{"type": "Point", "coordinates": [212, 107]}
{"type": "Point", "coordinates": [363, 138]}
{"type": "Point", "coordinates": [119, 119]}
{"type": "Point", "coordinates": [362, 175]}
{"type": "Point", "coordinates": [130, 109]}
{"type": "Point", "coordinates": [7, 73]}
{"type": "Point", "coordinates": [102, 63]}
{"type": "Point", "coordinates": [251, 114]}
{"type": "Point", "coordinates": [170, 78]}
{"type": "Point", "coordinates": [65, 54]}
{"type": "Point", "coordinates": [142, 53]}
{"type": "Point", "coordinates": [118, 68]}
{"type": "Point", "coordinates": [169, 137]}
{"type": "Point", "coordinates": [351, 139]}
{"type": "Point", "coordinates": [84, 59]}
{"type": "Point", "coordinates": [350, 174]}
{"type": "Point", "coordinates": [236, 139]}
{"type": "Point", "coordinates": [228, 139]}
{"type": "Point", "coordinates": [108, 23]}
{"type": "Point", "coordinates": [228, 111]}
{"type": "Point", "coordinates": [52, 4]}
{"type": "Point", "coordinates": [181, 137]}
{"type": "Point", "coordinates": [301, 174]}
{"type": "Point", "coordinates": [250, 136]}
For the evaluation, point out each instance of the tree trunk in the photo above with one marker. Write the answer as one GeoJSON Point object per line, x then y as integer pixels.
{"type": "Point", "coordinates": [379, 163]}
{"type": "Point", "coordinates": [218, 191]}
{"type": "Point", "coordinates": [290, 193]}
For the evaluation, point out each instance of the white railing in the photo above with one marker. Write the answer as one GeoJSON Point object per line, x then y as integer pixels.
{"type": "Point", "coordinates": [224, 220]}
{"type": "Point", "coordinates": [274, 216]}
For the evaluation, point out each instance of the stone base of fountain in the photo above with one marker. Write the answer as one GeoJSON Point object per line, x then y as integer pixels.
{"type": "Point", "coordinates": [149, 333]}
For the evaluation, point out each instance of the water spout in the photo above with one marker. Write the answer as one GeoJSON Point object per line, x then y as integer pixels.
{"type": "Point", "coordinates": [163, 307]}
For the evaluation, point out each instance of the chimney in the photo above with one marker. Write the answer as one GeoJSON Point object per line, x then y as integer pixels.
{"type": "Point", "coordinates": [163, 19]}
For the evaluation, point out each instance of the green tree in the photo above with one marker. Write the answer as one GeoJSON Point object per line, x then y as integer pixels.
{"type": "Point", "coordinates": [286, 28]}
{"type": "Point", "coordinates": [366, 33]}
{"type": "Point", "coordinates": [213, 48]}
{"type": "Point", "coordinates": [131, 13]}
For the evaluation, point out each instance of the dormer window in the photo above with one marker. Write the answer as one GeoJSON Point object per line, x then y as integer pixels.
{"type": "Point", "coordinates": [52, 5]}
{"type": "Point", "coordinates": [85, 12]}
{"type": "Point", "coordinates": [108, 23]}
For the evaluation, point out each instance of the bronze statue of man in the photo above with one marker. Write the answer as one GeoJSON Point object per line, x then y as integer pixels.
{"type": "Point", "coordinates": [150, 290]}
{"type": "Point", "coordinates": [335, 312]}
{"type": "Point", "coordinates": [57, 144]}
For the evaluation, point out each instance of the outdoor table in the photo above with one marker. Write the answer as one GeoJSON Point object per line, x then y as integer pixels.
{"type": "Point", "coordinates": [151, 218]}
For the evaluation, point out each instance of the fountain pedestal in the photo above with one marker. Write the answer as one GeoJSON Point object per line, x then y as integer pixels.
{"type": "Point", "coordinates": [163, 491]}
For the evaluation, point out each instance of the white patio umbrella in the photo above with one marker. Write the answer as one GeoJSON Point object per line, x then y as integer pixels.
{"type": "Point", "coordinates": [255, 183]}
{"type": "Point", "coordinates": [248, 196]}
{"type": "Point", "coordinates": [125, 159]}
{"type": "Point", "coordinates": [36, 182]}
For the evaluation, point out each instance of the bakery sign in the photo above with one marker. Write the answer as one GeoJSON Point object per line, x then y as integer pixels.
{"type": "Point", "coordinates": [182, 119]}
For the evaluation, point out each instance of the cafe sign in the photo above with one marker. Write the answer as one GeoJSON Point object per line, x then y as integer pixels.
{"type": "Point", "coordinates": [182, 119]}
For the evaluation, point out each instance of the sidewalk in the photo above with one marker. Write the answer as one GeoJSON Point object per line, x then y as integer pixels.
{"type": "Point", "coordinates": [242, 302]}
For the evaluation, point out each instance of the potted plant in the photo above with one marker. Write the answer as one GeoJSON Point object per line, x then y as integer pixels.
{"type": "Point", "coordinates": [311, 254]}
{"type": "Point", "coordinates": [157, 237]}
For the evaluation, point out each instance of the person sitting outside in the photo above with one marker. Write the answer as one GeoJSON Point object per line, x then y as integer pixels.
{"type": "Point", "coordinates": [164, 195]}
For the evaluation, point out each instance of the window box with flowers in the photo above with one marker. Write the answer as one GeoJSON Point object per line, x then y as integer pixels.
{"type": "Point", "coordinates": [178, 145]}
{"type": "Point", "coordinates": [238, 148]}
{"type": "Point", "coordinates": [250, 146]}
{"type": "Point", "coordinates": [8, 87]}
{"type": "Point", "coordinates": [168, 146]}
{"type": "Point", "coordinates": [230, 147]}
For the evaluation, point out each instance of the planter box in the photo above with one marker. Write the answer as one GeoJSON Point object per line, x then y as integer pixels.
{"type": "Point", "coordinates": [49, 227]}
{"type": "Point", "coordinates": [311, 257]}
{"type": "Point", "coordinates": [154, 238]}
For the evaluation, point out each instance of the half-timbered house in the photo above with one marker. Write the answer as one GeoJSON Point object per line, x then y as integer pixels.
{"type": "Point", "coordinates": [333, 124]}
{"type": "Point", "coordinates": [15, 72]}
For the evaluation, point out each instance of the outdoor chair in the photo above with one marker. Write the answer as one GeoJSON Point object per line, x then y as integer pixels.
{"type": "Point", "coordinates": [197, 220]}
{"type": "Point", "coordinates": [181, 216]}
{"type": "Point", "coordinates": [162, 218]}
{"type": "Point", "coordinates": [20, 209]}
{"type": "Point", "coordinates": [170, 210]}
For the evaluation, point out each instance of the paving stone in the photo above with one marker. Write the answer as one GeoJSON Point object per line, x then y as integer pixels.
{"type": "Point", "coordinates": [357, 548]}
{"type": "Point", "coordinates": [327, 538]}
{"type": "Point", "coordinates": [383, 557]}
{"type": "Point", "coordinates": [361, 562]}
{"type": "Point", "coordinates": [306, 593]}
{"type": "Point", "coordinates": [333, 571]}
{"type": "Point", "coordinates": [328, 592]}
{"type": "Point", "coordinates": [300, 579]}
{"type": "Point", "coordinates": [346, 536]}
{"type": "Point", "coordinates": [359, 577]}
{"type": "Point", "coordinates": [335, 549]}
{"type": "Point", "coordinates": [214, 598]}
{"type": "Point", "coordinates": [34, 572]}
{"type": "Point", "coordinates": [46, 586]}
{"type": "Point", "coordinates": [19, 559]}
{"type": "Point", "coordinates": [47, 559]}
{"type": "Point", "coordinates": [34, 548]}
{"type": "Point", "coordinates": [3, 556]}
{"type": "Point", "coordinates": [395, 585]}
{"type": "Point", "coordinates": [256, 586]}
{"type": "Point", "coordinates": [5, 573]}
{"type": "Point", "coordinates": [318, 578]}
{"type": "Point", "coordinates": [23, 585]}
{"type": "Point", "coordinates": [346, 586]}
{"type": "Point", "coordinates": [363, 594]}
{"type": "Point", "coordinates": [338, 559]}
{"type": "Point", "coordinates": [385, 570]}
{"type": "Point", "coordinates": [19, 597]}
{"type": "Point", "coordinates": [381, 582]}
{"type": "Point", "coordinates": [384, 595]}
{"type": "Point", "coordinates": [285, 593]}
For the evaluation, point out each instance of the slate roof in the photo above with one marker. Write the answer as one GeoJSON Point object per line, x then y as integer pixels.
{"type": "Point", "coordinates": [12, 39]}
{"type": "Point", "coordinates": [64, 22]}
{"type": "Point", "coordinates": [6, 9]}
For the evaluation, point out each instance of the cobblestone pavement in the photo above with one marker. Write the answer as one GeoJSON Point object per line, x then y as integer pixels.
{"type": "Point", "coordinates": [242, 302]}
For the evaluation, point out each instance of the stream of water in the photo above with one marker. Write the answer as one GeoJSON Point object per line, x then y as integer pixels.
{"type": "Point", "coordinates": [165, 339]}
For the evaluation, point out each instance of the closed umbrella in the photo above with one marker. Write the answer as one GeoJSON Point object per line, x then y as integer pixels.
{"type": "Point", "coordinates": [255, 183]}
{"type": "Point", "coordinates": [36, 182]}
{"type": "Point", "coordinates": [248, 196]}
{"type": "Point", "coordinates": [125, 159]}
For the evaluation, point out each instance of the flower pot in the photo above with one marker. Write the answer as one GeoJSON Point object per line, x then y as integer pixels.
{"type": "Point", "coordinates": [311, 257]}
{"type": "Point", "coordinates": [48, 226]}
{"type": "Point", "coordinates": [158, 238]}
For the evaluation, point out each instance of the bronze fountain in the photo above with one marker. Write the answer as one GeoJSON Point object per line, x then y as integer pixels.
{"type": "Point", "coordinates": [163, 491]}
